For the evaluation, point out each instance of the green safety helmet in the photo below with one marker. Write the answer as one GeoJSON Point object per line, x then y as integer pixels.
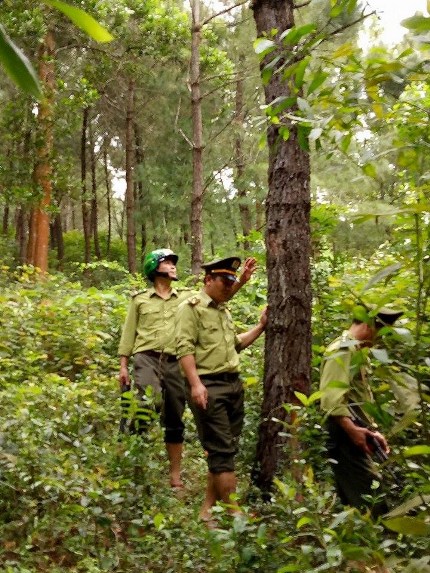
{"type": "Point", "coordinates": [154, 258]}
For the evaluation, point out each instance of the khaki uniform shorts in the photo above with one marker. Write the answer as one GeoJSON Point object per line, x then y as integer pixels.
{"type": "Point", "coordinates": [164, 376]}
{"type": "Point", "coordinates": [220, 425]}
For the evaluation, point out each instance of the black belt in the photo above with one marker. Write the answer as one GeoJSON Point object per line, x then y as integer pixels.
{"type": "Point", "coordinates": [225, 376]}
{"type": "Point", "coordinates": [160, 355]}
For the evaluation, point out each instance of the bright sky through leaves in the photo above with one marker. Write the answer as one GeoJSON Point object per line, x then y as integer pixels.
{"type": "Point", "coordinates": [392, 12]}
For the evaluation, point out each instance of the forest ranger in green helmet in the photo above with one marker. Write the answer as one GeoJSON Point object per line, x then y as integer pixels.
{"type": "Point", "coordinates": [153, 260]}
{"type": "Point", "coordinates": [148, 340]}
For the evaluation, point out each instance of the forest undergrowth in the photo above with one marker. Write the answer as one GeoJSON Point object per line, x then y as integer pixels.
{"type": "Point", "coordinates": [76, 495]}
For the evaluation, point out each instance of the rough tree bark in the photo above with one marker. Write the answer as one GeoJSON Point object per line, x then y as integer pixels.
{"type": "Point", "coordinates": [197, 143]}
{"type": "Point", "coordinates": [288, 334]}
{"type": "Point", "coordinates": [245, 213]}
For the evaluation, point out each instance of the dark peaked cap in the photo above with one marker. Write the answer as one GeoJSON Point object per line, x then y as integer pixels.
{"type": "Point", "coordinates": [223, 267]}
{"type": "Point", "coordinates": [383, 314]}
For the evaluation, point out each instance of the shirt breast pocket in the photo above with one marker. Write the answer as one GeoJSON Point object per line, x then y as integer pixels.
{"type": "Point", "coordinates": [147, 316]}
{"type": "Point", "coordinates": [210, 333]}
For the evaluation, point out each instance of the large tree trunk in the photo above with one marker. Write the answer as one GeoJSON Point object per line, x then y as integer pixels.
{"type": "Point", "coordinates": [196, 114]}
{"type": "Point", "coordinates": [288, 334]}
{"type": "Point", "coordinates": [129, 194]}
{"type": "Point", "coordinates": [86, 213]}
{"type": "Point", "coordinates": [43, 169]}
{"type": "Point", "coordinates": [245, 213]}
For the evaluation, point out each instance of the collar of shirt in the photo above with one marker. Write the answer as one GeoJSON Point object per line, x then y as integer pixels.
{"type": "Point", "coordinates": [153, 292]}
{"type": "Point", "coordinates": [208, 301]}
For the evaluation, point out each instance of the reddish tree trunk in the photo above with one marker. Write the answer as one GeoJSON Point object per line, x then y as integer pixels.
{"type": "Point", "coordinates": [288, 334]}
{"type": "Point", "coordinates": [43, 169]}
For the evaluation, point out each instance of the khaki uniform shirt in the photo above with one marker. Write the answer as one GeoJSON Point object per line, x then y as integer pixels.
{"type": "Point", "coordinates": [344, 380]}
{"type": "Point", "coordinates": [150, 322]}
{"type": "Point", "coordinates": [206, 331]}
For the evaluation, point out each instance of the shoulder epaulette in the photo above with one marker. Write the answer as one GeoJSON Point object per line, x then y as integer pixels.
{"type": "Point", "coordinates": [135, 293]}
{"type": "Point", "coordinates": [184, 289]}
{"type": "Point", "coordinates": [193, 301]}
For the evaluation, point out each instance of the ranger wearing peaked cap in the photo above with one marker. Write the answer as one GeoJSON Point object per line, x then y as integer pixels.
{"type": "Point", "coordinates": [346, 391]}
{"type": "Point", "coordinates": [223, 267]}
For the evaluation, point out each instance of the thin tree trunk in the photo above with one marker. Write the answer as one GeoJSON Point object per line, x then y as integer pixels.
{"type": "Point", "coordinates": [288, 334]}
{"type": "Point", "coordinates": [5, 224]}
{"type": "Point", "coordinates": [140, 189]}
{"type": "Point", "coordinates": [32, 235]}
{"type": "Point", "coordinates": [245, 213]}
{"type": "Point", "coordinates": [108, 198]}
{"type": "Point", "coordinates": [59, 240]}
{"type": "Point", "coordinates": [43, 168]}
{"type": "Point", "coordinates": [129, 194]}
{"type": "Point", "coordinates": [86, 214]}
{"type": "Point", "coordinates": [20, 233]}
{"type": "Point", "coordinates": [196, 114]}
{"type": "Point", "coordinates": [94, 203]}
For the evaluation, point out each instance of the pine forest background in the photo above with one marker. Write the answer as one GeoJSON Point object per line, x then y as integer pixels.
{"type": "Point", "coordinates": [268, 130]}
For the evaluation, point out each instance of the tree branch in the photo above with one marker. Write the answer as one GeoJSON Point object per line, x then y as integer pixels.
{"type": "Point", "coordinates": [225, 11]}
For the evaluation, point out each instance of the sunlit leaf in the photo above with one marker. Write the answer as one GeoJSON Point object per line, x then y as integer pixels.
{"type": "Point", "coordinates": [263, 46]}
{"type": "Point", "coordinates": [417, 23]}
{"type": "Point", "coordinates": [416, 451]}
{"type": "Point", "coordinates": [82, 20]}
{"type": "Point", "coordinates": [383, 274]}
{"type": "Point", "coordinates": [408, 525]}
{"type": "Point", "coordinates": [317, 80]}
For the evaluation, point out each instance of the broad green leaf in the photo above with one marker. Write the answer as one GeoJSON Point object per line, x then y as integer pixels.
{"type": "Point", "coordinates": [317, 80]}
{"type": "Point", "coordinates": [408, 525]}
{"type": "Point", "coordinates": [383, 274]}
{"type": "Point", "coordinates": [345, 142]}
{"type": "Point", "coordinates": [263, 46]}
{"type": "Point", "coordinates": [416, 451]}
{"type": "Point", "coordinates": [408, 505]}
{"type": "Point", "coordinates": [302, 397]}
{"type": "Point", "coordinates": [82, 20]}
{"type": "Point", "coordinates": [302, 136]}
{"type": "Point", "coordinates": [343, 50]}
{"type": "Point", "coordinates": [17, 66]}
{"type": "Point", "coordinates": [300, 72]}
{"type": "Point", "coordinates": [380, 354]}
{"type": "Point", "coordinates": [304, 521]}
{"type": "Point", "coordinates": [284, 132]}
{"type": "Point", "coordinates": [417, 23]}
{"type": "Point", "coordinates": [314, 397]}
{"type": "Point", "coordinates": [370, 170]}
{"type": "Point", "coordinates": [294, 35]}
{"type": "Point", "coordinates": [158, 520]}
{"type": "Point", "coordinates": [360, 313]}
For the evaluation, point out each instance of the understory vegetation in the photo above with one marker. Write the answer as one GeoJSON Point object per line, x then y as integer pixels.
{"type": "Point", "coordinates": [75, 495]}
